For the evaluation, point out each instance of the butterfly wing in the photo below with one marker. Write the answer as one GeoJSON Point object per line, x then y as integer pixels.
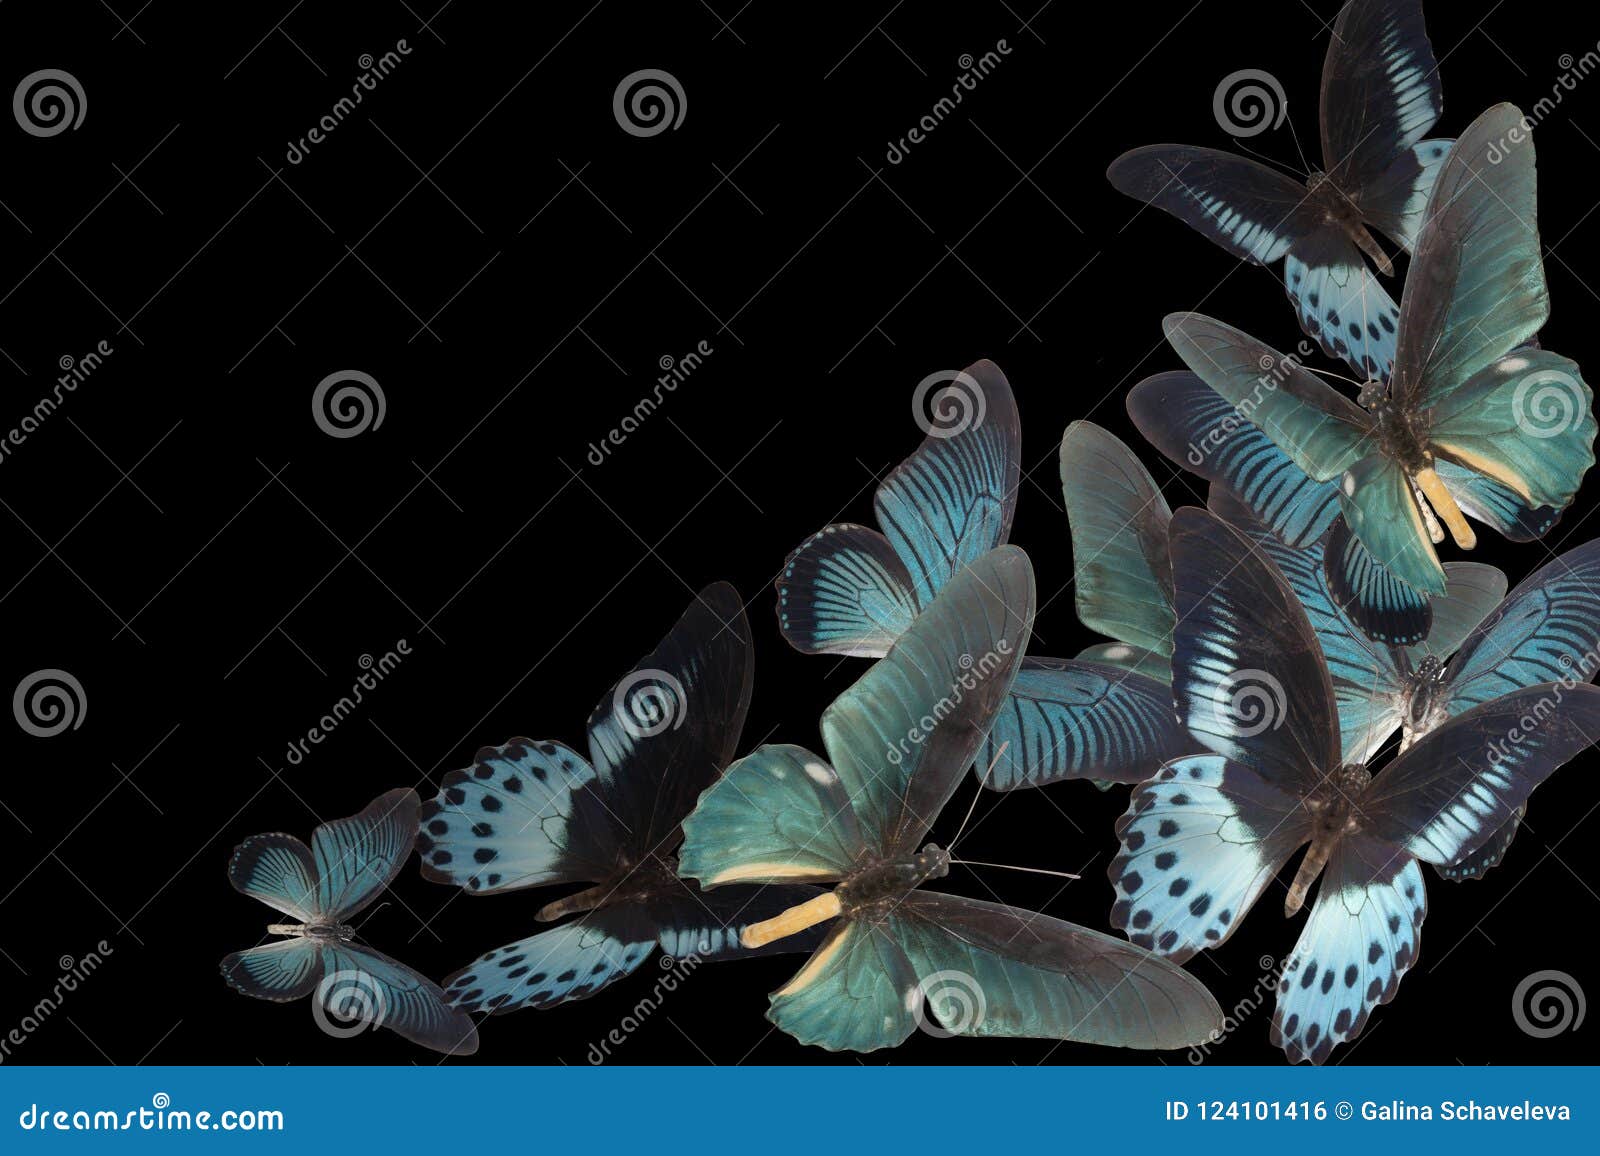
{"type": "Point", "coordinates": [1525, 421]}
{"type": "Point", "coordinates": [1342, 303]}
{"type": "Point", "coordinates": [1494, 503]}
{"type": "Point", "coordinates": [284, 970]}
{"type": "Point", "coordinates": [1321, 430]}
{"type": "Point", "coordinates": [277, 869]}
{"type": "Point", "coordinates": [953, 499]}
{"type": "Point", "coordinates": [1476, 287]}
{"type": "Point", "coordinates": [1122, 576]}
{"type": "Point", "coordinates": [1380, 96]}
{"type": "Point", "coordinates": [1454, 789]}
{"type": "Point", "coordinates": [1384, 608]}
{"type": "Point", "coordinates": [1474, 592]}
{"type": "Point", "coordinates": [706, 925]}
{"type": "Point", "coordinates": [845, 591]}
{"type": "Point", "coordinates": [1248, 675]}
{"type": "Point", "coordinates": [1546, 630]}
{"type": "Point", "coordinates": [571, 962]}
{"type": "Point", "coordinates": [780, 813]}
{"type": "Point", "coordinates": [356, 858]}
{"type": "Point", "coordinates": [1201, 431]}
{"type": "Point", "coordinates": [1253, 212]}
{"type": "Point", "coordinates": [991, 970]}
{"type": "Point", "coordinates": [1200, 842]}
{"type": "Point", "coordinates": [666, 731]}
{"type": "Point", "coordinates": [1368, 685]}
{"type": "Point", "coordinates": [955, 666]}
{"type": "Point", "coordinates": [856, 993]}
{"type": "Point", "coordinates": [1080, 720]}
{"type": "Point", "coordinates": [1381, 510]}
{"type": "Point", "coordinates": [361, 984]}
{"type": "Point", "coordinates": [525, 814]}
{"type": "Point", "coordinates": [1363, 935]}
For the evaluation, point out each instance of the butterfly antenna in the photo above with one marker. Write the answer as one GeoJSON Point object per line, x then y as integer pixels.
{"type": "Point", "coordinates": [1272, 162]}
{"type": "Point", "coordinates": [371, 913]}
{"type": "Point", "coordinates": [982, 782]}
{"type": "Point", "coordinates": [1336, 376]}
{"type": "Point", "coordinates": [1014, 867]}
{"type": "Point", "coordinates": [1294, 134]}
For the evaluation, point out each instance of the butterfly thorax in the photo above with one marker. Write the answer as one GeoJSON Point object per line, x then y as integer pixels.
{"type": "Point", "coordinates": [885, 881]}
{"type": "Point", "coordinates": [342, 932]}
{"type": "Point", "coordinates": [1424, 701]}
{"type": "Point", "coordinates": [651, 878]}
{"type": "Point", "coordinates": [1397, 437]}
{"type": "Point", "coordinates": [1339, 209]}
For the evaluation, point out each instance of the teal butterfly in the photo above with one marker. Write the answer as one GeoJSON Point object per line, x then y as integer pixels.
{"type": "Point", "coordinates": [853, 590]}
{"type": "Point", "coordinates": [349, 863]}
{"type": "Point", "coordinates": [1205, 837]}
{"type": "Point", "coordinates": [1466, 389]}
{"type": "Point", "coordinates": [899, 741]}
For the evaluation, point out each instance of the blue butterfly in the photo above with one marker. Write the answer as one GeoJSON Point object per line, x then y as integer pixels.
{"type": "Point", "coordinates": [899, 741]}
{"type": "Point", "coordinates": [852, 590]}
{"type": "Point", "coordinates": [349, 863]}
{"type": "Point", "coordinates": [1547, 630]}
{"type": "Point", "coordinates": [533, 814]}
{"type": "Point", "coordinates": [1467, 389]}
{"type": "Point", "coordinates": [1202, 840]}
{"type": "Point", "coordinates": [1380, 99]}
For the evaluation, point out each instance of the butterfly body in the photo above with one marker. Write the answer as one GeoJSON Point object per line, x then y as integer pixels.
{"type": "Point", "coordinates": [326, 932]}
{"type": "Point", "coordinates": [882, 883]}
{"type": "Point", "coordinates": [1424, 703]}
{"type": "Point", "coordinates": [1338, 209]}
{"type": "Point", "coordinates": [1335, 812]}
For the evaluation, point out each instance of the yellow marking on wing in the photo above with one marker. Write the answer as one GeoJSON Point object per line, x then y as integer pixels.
{"type": "Point", "coordinates": [814, 967]}
{"type": "Point", "coordinates": [1495, 470]}
{"type": "Point", "coordinates": [769, 870]}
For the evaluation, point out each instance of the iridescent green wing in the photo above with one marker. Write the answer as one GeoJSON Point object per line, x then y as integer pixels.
{"type": "Point", "coordinates": [856, 993]}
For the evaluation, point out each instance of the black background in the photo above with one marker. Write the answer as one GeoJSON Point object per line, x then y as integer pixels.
{"type": "Point", "coordinates": [483, 238]}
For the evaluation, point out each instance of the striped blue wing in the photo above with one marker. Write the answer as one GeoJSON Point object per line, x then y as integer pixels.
{"type": "Point", "coordinates": [845, 591]}
{"type": "Point", "coordinates": [1080, 720]}
{"type": "Point", "coordinates": [902, 737]}
{"type": "Point", "coordinates": [277, 869]}
{"type": "Point", "coordinates": [1495, 503]}
{"type": "Point", "coordinates": [285, 970]}
{"type": "Point", "coordinates": [1363, 935]}
{"type": "Point", "coordinates": [991, 970]}
{"type": "Point", "coordinates": [1201, 431]}
{"type": "Point", "coordinates": [856, 993]}
{"type": "Point", "coordinates": [1122, 576]}
{"type": "Point", "coordinates": [360, 984]}
{"type": "Point", "coordinates": [952, 500]}
{"type": "Point", "coordinates": [571, 962]}
{"type": "Point", "coordinates": [1253, 212]}
{"type": "Point", "coordinates": [706, 925]}
{"type": "Point", "coordinates": [356, 858]}
{"type": "Point", "coordinates": [1381, 510]}
{"type": "Point", "coordinates": [1384, 608]}
{"type": "Point", "coordinates": [1248, 675]}
{"type": "Point", "coordinates": [525, 814]}
{"type": "Point", "coordinates": [1199, 844]}
{"type": "Point", "coordinates": [1453, 790]}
